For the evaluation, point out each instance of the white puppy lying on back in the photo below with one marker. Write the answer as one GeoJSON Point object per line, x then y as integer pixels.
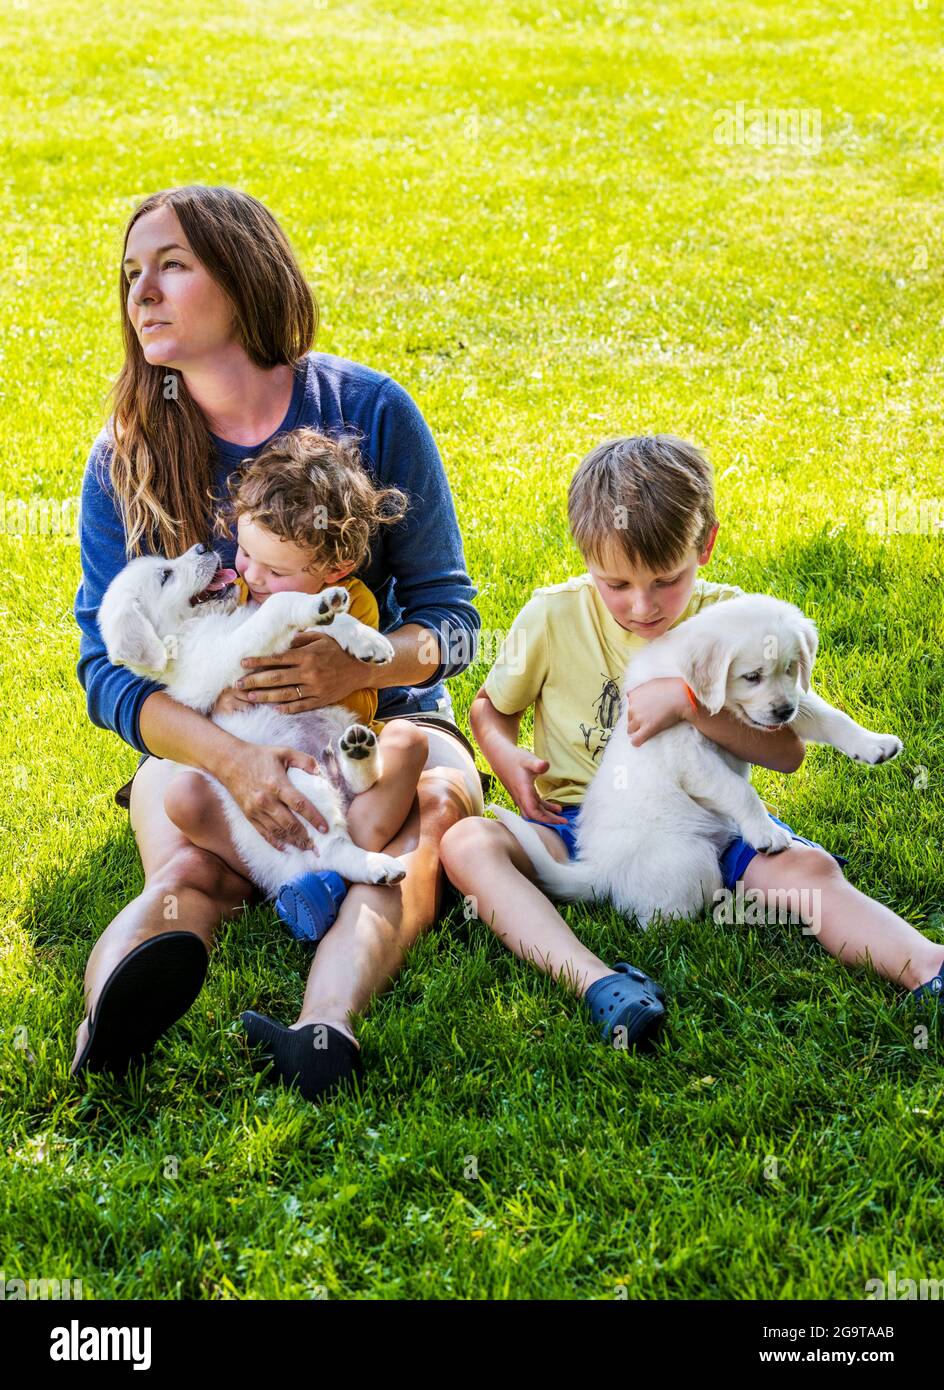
{"type": "Point", "coordinates": [656, 817]}
{"type": "Point", "coordinates": [179, 622]}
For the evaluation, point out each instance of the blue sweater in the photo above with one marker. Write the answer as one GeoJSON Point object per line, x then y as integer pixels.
{"type": "Point", "coordinates": [416, 569]}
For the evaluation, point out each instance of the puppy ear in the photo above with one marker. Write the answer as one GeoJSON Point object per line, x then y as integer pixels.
{"type": "Point", "coordinates": [707, 674]}
{"type": "Point", "coordinates": [809, 641]}
{"type": "Point", "coordinates": [131, 641]}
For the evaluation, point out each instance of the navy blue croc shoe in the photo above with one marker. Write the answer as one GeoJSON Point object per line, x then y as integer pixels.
{"type": "Point", "coordinates": [309, 905]}
{"type": "Point", "coordinates": [628, 1006]}
{"type": "Point", "coordinates": [931, 992]}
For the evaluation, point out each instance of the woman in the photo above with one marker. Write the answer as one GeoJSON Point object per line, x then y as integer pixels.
{"type": "Point", "coordinates": [218, 323]}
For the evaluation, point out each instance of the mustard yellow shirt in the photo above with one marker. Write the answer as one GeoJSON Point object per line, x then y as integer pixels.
{"type": "Point", "coordinates": [566, 655]}
{"type": "Point", "coordinates": [363, 606]}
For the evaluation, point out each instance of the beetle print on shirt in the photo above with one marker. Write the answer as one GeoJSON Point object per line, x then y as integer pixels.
{"type": "Point", "coordinates": [607, 711]}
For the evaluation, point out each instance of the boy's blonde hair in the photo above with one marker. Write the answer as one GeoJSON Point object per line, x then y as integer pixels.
{"type": "Point", "coordinates": [650, 496]}
{"type": "Point", "coordinates": [314, 491]}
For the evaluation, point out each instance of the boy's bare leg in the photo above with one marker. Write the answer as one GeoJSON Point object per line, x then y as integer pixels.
{"type": "Point", "coordinates": [485, 863]}
{"type": "Point", "coordinates": [365, 948]}
{"type": "Point", "coordinates": [851, 926]}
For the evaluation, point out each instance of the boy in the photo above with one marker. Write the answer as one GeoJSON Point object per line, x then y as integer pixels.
{"type": "Point", "coordinates": [641, 512]}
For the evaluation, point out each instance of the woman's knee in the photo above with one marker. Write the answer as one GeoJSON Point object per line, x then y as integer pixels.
{"type": "Point", "coordinates": [443, 795]}
{"type": "Point", "coordinates": [406, 739]}
{"type": "Point", "coordinates": [189, 869]}
{"type": "Point", "coordinates": [189, 799]}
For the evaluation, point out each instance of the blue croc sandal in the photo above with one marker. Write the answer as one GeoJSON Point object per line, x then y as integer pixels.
{"type": "Point", "coordinates": [931, 992]}
{"type": "Point", "coordinates": [309, 905]}
{"type": "Point", "coordinates": [628, 1006]}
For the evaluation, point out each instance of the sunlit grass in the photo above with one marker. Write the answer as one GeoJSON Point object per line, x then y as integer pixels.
{"type": "Point", "coordinates": [523, 215]}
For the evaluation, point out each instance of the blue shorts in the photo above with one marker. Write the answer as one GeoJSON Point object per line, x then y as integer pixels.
{"type": "Point", "coordinates": [567, 832]}
{"type": "Point", "coordinates": [733, 860]}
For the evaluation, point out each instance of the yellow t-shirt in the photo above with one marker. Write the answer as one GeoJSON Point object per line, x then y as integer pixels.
{"type": "Point", "coordinates": [566, 655]}
{"type": "Point", "coordinates": [363, 607]}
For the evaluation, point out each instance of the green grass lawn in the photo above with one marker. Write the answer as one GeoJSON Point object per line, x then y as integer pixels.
{"type": "Point", "coordinates": [523, 215]}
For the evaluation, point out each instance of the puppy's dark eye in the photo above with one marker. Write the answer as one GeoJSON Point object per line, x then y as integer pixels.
{"type": "Point", "coordinates": [165, 575]}
{"type": "Point", "coordinates": [752, 677]}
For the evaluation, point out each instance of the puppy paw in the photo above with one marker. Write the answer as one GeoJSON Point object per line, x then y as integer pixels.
{"type": "Point", "coordinates": [383, 868]}
{"type": "Point", "coordinates": [368, 645]}
{"type": "Point", "coordinates": [772, 839]}
{"type": "Point", "coordinates": [329, 603]}
{"type": "Point", "coordinates": [877, 748]}
{"type": "Point", "coordinates": [357, 742]}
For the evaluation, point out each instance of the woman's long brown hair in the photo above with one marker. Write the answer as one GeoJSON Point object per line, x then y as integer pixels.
{"type": "Point", "coordinates": [163, 458]}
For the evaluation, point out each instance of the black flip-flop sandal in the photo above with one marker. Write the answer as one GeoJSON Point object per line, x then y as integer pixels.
{"type": "Point", "coordinates": [144, 995]}
{"type": "Point", "coordinates": [316, 1059]}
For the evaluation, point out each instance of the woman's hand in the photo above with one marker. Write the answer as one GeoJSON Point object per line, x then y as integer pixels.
{"type": "Point", "coordinates": [656, 705]}
{"type": "Point", "coordinates": [517, 777]}
{"type": "Point", "coordinates": [257, 779]}
{"type": "Point", "coordinates": [314, 665]}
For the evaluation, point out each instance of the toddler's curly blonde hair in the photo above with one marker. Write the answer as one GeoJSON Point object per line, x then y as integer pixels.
{"type": "Point", "coordinates": [315, 491]}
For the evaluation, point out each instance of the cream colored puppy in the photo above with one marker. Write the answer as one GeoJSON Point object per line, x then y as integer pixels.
{"type": "Point", "coordinates": [180, 622]}
{"type": "Point", "coordinates": [656, 817]}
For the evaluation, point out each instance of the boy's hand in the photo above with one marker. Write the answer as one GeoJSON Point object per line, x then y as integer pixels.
{"type": "Point", "coordinates": [656, 705]}
{"type": "Point", "coordinates": [519, 783]}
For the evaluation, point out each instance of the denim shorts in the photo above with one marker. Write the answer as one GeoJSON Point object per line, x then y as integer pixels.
{"type": "Point", "coordinates": [733, 860]}
{"type": "Point", "coordinates": [568, 832]}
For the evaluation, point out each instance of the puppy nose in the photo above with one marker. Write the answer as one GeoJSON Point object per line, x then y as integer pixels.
{"type": "Point", "coordinates": [782, 712]}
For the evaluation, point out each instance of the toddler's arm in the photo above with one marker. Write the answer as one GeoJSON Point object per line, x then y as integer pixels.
{"type": "Point", "coordinates": [516, 768]}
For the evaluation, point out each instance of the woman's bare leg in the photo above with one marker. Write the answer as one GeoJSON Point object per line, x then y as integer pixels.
{"type": "Point", "coordinates": [376, 926]}
{"type": "Point", "coordinates": [194, 808]}
{"type": "Point", "coordinates": [185, 888]}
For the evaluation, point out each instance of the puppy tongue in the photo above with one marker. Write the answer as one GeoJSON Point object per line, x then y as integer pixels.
{"type": "Point", "coordinates": [223, 577]}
